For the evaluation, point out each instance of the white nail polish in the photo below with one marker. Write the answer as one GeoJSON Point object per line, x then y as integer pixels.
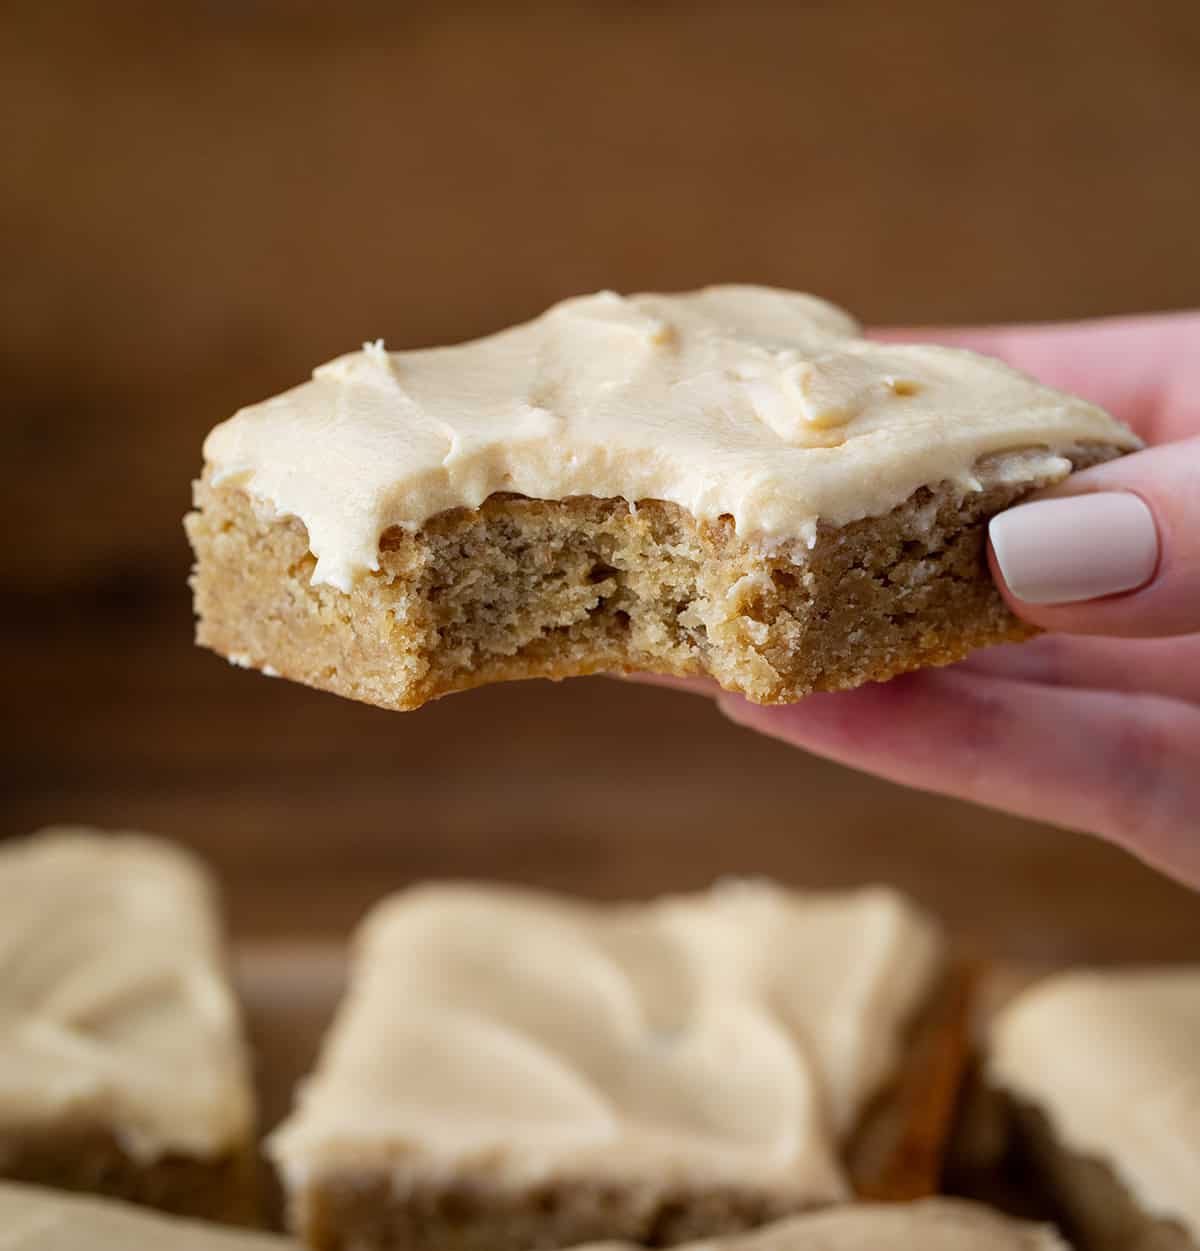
{"type": "Point", "coordinates": [1076, 547]}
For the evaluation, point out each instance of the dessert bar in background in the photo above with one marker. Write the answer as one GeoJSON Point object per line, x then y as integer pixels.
{"type": "Point", "coordinates": [513, 1070]}
{"type": "Point", "coordinates": [36, 1219]}
{"type": "Point", "coordinates": [122, 1064]}
{"type": "Point", "coordinates": [731, 483]}
{"type": "Point", "coordinates": [930, 1225]}
{"type": "Point", "coordinates": [1101, 1072]}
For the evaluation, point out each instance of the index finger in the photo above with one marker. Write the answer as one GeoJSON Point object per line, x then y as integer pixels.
{"type": "Point", "coordinates": [1144, 370]}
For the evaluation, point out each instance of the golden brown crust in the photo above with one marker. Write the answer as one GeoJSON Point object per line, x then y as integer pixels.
{"type": "Point", "coordinates": [898, 1150]}
{"type": "Point", "coordinates": [92, 1161]}
{"type": "Point", "coordinates": [1005, 1152]}
{"type": "Point", "coordinates": [363, 1211]}
{"type": "Point", "coordinates": [1096, 1208]}
{"type": "Point", "coordinates": [523, 588]}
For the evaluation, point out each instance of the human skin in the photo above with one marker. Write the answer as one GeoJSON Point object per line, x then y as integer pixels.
{"type": "Point", "coordinates": [1094, 725]}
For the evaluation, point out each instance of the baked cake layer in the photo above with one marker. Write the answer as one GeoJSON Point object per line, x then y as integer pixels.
{"type": "Point", "coordinates": [1104, 1069]}
{"type": "Point", "coordinates": [731, 482]}
{"type": "Point", "coordinates": [122, 1063]}
{"type": "Point", "coordinates": [522, 588]}
{"type": "Point", "coordinates": [93, 1161]}
{"type": "Point", "coordinates": [1100, 1211]}
{"type": "Point", "coordinates": [512, 1070]}
{"type": "Point", "coordinates": [364, 1211]}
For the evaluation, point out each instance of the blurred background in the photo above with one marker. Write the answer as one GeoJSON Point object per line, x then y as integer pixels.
{"type": "Point", "coordinates": [201, 201]}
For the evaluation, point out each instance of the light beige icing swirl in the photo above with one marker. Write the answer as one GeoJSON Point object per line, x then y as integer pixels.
{"type": "Point", "coordinates": [764, 405]}
{"type": "Point", "coordinates": [114, 1012]}
{"type": "Point", "coordinates": [727, 1037]}
{"type": "Point", "coordinates": [1113, 1060]}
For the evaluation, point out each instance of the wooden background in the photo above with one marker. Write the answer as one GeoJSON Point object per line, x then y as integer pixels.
{"type": "Point", "coordinates": [202, 200]}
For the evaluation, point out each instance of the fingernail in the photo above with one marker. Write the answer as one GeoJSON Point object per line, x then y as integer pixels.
{"type": "Point", "coordinates": [1079, 547]}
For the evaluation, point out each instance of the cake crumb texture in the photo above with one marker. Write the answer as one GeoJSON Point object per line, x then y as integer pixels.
{"type": "Point", "coordinates": [525, 588]}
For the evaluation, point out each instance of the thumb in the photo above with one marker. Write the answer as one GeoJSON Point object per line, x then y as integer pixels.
{"type": "Point", "coordinates": [1113, 550]}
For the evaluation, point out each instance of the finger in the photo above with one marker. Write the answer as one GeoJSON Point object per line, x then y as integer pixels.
{"type": "Point", "coordinates": [1144, 370]}
{"type": "Point", "coordinates": [1112, 550]}
{"type": "Point", "coordinates": [1168, 667]}
{"type": "Point", "coordinates": [1122, 766]}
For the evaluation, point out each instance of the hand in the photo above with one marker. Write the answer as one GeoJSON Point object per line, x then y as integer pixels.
{"type": "Point", "coordinates": [1100, 734]}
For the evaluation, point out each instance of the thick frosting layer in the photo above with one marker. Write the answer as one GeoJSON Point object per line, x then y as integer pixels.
{"type": "Point", "coordinates": [1113, 1060]}
{"type": "Point", "coordinates": [32, 1219]}
{"type": "Point", "coordinates": [765, 405]}
{"type": "Point", "coordinates": [732, 1036]}
{"type": "Point", "coordinates": [928, 1225]}
{"type": "Point", "coordinates": [114, 1008]}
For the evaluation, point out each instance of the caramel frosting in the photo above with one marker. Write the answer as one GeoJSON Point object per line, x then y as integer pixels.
{"type": "Point", "coordinates": [767, 406]}
{"type": "Point", "coordinates": [1112, 1059]}
{"type": "Point", "coordinates": [32, 1219]}
{"type": "Point", "coordinates": [115, 1013]}
{"type": "Point", "coordinates": [927, 1225]}
{"type": "Point", "coordinates": [731, 1037]}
